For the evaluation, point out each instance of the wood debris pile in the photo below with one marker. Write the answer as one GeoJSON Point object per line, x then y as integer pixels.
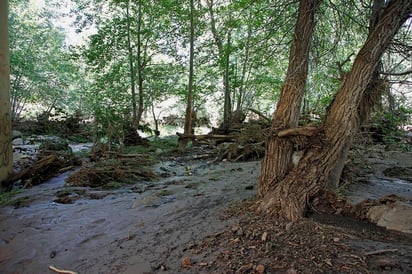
{"type": "Point", "coordinates": [121, 169]}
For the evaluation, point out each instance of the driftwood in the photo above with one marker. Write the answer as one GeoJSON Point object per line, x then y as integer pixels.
{"type": "Point", "coordinates": [207, 136]}
{"type": "Point", "coordinates": [41, 169]}
{"type": "Point", "coordinates": [261, 115]}
{"type": "Point", "coordinates": [61, 271]}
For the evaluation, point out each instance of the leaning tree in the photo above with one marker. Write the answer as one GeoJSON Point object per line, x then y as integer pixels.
{"type": "Point", "coordinates": [6, 156]}
{"type": "Point", "coordinates": [288, 189]}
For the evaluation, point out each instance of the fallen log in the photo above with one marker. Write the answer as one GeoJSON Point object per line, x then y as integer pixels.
{"type": "Point", "coordinates": [42, 169]}
{"type": "Point", "coordinates": [207, 136]}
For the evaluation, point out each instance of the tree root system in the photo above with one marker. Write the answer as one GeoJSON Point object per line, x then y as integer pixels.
{"type": "Point", "coordinates": [259, 243]}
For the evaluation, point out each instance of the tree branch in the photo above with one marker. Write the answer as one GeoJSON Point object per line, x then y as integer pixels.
{"type": "Point", "coordinates": [304, 131]}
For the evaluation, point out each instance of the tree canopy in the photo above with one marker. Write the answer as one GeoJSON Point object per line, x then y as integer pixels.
{"type": "Point", "coordinates": [138, 57]}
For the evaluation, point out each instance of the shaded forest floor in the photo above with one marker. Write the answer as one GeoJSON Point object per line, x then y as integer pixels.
{"type": "Point", "coordinates": [195, 216]}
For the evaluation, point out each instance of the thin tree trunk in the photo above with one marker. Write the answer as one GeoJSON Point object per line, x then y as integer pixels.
{"type": "Point", "coordinates": [240, 96]}
{"type": "Point", "coordinates": [139, 64]}
{"type": "Point", "coordinates": [135, 123]}
{"type": "Point", "coordinates": [6, 155]}
{"type": "Point", "coordinates": [227, 109]}
{"type": "Point", "coordinates": [188, 117]}
{"type": "Point", "coordinates": [277, 161]}
{"type": "Point", "coordinates": [224, 56]}
{"type": "Point", "coordinates": [292, 194]}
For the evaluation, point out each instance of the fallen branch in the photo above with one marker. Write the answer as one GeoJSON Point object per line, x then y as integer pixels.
{"type": "Point", "coordinates": [376, 252]}
{"type": "Point", "coordinates": [61, 271]}
{"type": "Point", "coordinates": [260, 114]}
{"type": "Point", "coordinates": [39, 172]}
{"type": "Point", "coordinates": [303, 131]}
{"type": "Point", "coordinates": [207, 136]}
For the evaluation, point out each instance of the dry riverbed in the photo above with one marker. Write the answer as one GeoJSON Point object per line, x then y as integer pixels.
{"type": "Point", "coordinates": [181, 223]}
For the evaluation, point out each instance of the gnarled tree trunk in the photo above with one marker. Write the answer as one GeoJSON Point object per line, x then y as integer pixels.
{"type": "Point", "coordinates": [291, 195]}
{"type": "Point", "coordinates": [277, 161]}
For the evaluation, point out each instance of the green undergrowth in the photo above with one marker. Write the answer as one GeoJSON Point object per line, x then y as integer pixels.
{"type": "Point", "coordinates": [8, 199]}
{"type": "Point", "coordinates": [156, 146]}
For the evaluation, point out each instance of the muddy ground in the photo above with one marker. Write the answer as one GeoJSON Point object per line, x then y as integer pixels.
{"type": "Point", "coordinates": [198, 217]}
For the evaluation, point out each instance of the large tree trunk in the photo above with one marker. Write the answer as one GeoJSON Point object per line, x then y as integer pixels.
{"type": "Point", "coordinates": [291, 195]}
{"type": "Point", "coordinates": [277, 161]}
{"type": "Point", "coordinates": [6, 155]}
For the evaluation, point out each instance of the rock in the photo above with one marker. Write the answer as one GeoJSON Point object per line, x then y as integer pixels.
{"type": "Point", "coordinates": [289, 226]}
{"type": "Point", "coordinates": [394, 216]}
{"type": "Point", "coordinates": [336, 239]}
{"type": "Point", "coordinates": [18, 142]}
{"type": "Point", "coordinates": [186, 262]}
{"type": "Point", "coordinates": [385, 263]}
{"type": "Point", "coordinates": [291, 271]}
{"type": "Point", "coordinates": [17, 134]}
{"type": "Point", "coordinates": [264, 236]}
{"type": "Point", "coordinates": [260, 269]}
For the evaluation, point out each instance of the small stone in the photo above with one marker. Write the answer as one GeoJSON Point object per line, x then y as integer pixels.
{"type": "Point", "coordinates": [186, 262]}
{"type": "Point", "coordinates": [289, 226]}
{"type": "Point", "coordinates": [264, 236]}
{"type": "Point", "coordinates": [336, 239]}
{"type": "Point", "coordinates": [260, 269]}
{"type": "Point", "coordinates": [291, 271]}
{"type": "Point", "coordinates": [235, 228]}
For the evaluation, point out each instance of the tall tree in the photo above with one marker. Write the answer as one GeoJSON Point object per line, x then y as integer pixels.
{"type": "Point", "coordinates": [189, 103]}
{"type": "Point", "coordinates": [41, 71]}
{"type": "Point", "coordinates": [6, 155]}
{"type": "Point", "coordinates": [277, 161]}
{"type": "Point", "coordinates": [223, 61]}
{"type": "Point", "coordinates": [291, 192]}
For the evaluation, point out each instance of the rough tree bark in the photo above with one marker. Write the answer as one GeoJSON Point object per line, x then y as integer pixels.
{"type": "Point", "coordinates": [6, 155]}
{"type": "Point", "coordinates": [290, 197]}
{"type": "Point", "coordinates": [277, 161]}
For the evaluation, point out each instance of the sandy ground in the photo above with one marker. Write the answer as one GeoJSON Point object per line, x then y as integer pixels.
{"type": "Point", "coordinates": [145, 228]}
{"type": "Point", "coordinates": [124, 231]}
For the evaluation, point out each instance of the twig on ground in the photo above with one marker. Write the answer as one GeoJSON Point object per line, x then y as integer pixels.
{"type": "Point", "coordinates": [375, 252]}
{"type": "Point", "coordinates": [61, 271]}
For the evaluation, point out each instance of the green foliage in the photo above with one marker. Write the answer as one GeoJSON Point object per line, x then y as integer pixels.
{"type": "Point", "coordinates": [255, 38]}
{"type": "Point", "coordinates": [390, 124]}
{"type": "Point", "coordinates": [41, 71]}
{"type": "Point", "coordinates": [6, 197]}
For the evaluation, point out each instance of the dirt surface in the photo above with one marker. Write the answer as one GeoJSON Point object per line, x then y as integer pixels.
{"type": "Point", "coordinates": [192, 220]}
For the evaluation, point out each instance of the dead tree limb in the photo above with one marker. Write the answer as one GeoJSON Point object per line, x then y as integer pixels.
{"type": "Point", "coordinates": [207, 136]}
{"type": "Point", "coordinates": [260, 114]}
{"type": "Point", "coordinates": [303, 131]}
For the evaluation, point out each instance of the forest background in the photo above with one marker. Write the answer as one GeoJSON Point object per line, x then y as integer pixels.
{"type": "Point", "coordinates": [133, 65]}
